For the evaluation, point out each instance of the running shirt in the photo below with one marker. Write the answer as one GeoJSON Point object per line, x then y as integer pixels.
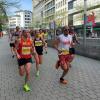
{"type": "Point", "coordinates": [12, 38]}
{"type": "Point", "coordinates": [41, 35]}
{"type": "Point", "coordinates": [17, 35]}
{"type": "Point", "coordinates": [46, 36]}
{"type": "Point", "coordinates": [25, 48]}
{"type": "Point", "coordinates": [38, 42]}
{"type": "Point", "coordinates": [38, 46]}
{"type": "Point", "coordinates": [65, 42]}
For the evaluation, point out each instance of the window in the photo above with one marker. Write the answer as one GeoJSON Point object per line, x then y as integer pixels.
{"type": "Point", "coordinates": [58, 4]}
{"type": "Point", "coordinates": [65, 1]}
{"type": "Point", "coordinates": [61, 3]}
{"type": "Point", "coordinates": [70, 5]}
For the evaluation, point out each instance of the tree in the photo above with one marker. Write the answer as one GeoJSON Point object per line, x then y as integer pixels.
{"type": "Point", "coordinates": [5, 5]}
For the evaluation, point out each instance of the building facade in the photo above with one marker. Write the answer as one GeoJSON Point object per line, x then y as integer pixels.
{"type": "Point", "coordinates": [38, 8]}
{"type": "Point", "coordinates": [61, 12]}
{"type": "Point", "coordinates": [49, 12]}
{"type": "Point", "coordinates": [76, 14]}
{"type": "Point", "coordinates": [14, 21]}
{"type": "Point", "coordinates": [66, 12]}
{"type": "Point", "coordinates": [22, 18]}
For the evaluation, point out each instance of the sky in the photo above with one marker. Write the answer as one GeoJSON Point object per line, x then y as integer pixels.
{"type": "Point", "coordinates": [24, 5]}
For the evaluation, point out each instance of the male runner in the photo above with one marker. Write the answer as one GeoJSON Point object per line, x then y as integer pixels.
{"type": "Point", "coordinates": [62, 45]}
{"type": "Point", "coordinates": [24, 55]}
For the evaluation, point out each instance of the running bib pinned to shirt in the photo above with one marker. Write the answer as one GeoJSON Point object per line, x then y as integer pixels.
{"type": "Point", "coordinates": [26, 50]}
{"type": "Point", "coordinates": [64, 52]}
{"type": "Point", "coordinates": [38, 43]}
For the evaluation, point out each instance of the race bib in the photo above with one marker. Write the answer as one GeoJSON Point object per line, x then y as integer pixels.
{"type": "Point", "coordinates": [26, 50]}
{"type": "Point", "coordinates": [38, 43]}
{"type": "Point", "coordinates": [64, 52]}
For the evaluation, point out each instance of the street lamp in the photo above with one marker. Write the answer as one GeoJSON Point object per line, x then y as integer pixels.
{"type": "Point", "coordinates": [85, 21]}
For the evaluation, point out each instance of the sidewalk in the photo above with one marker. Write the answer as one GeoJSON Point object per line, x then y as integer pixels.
{"type": "Point", "coordinates": [83, 77]}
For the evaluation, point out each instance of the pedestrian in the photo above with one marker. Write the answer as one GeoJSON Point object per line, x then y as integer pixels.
{"type": "Point", "coordinates": [62, 45]}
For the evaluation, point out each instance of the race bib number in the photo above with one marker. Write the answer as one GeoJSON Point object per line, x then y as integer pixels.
{"type": "Point", "coordinates": [38, 43]}
{"type": "Point", "coordinates": [26, 50]}
{"type": "Point", "coordinates": [64, 52]}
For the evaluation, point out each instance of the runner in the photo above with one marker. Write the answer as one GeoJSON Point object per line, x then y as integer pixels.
{"type": "Point", "coordinates": [17, 34]}
{"type": "Point", "coordinates": [41, 33]}
{"type": "Point", "coordinates": [23, 53]}
{"type": "Point", "coordinates": [38, 43]}
{"type": "Point", "coordinates": [62, 45]}
{"type": "Point", "coordinates": [75, 40]}
{"type": "Point", "coordinates": [12, 42]}
{"type": "Point", "coordinates": [32, 33]}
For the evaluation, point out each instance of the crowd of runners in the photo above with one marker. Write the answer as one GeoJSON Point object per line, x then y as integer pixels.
{"type": "Point", "coordinates": [26, 44]}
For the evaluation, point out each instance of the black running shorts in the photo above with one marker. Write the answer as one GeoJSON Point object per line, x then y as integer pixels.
{"type": "Point", "coordinates": [12, 44]}
{"type": "Point", "coordinates": [24, 61]}
{"type": "Point", "coordinates": [72, 50]}
{"type": "Point", "coordinates": [39, 50]}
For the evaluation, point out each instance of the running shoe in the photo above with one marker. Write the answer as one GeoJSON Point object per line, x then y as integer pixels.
{"type": "Point", "coordinates": [37, 73]}
{"type": "Point", "coordinates": [46, 52]}
{"type": "Point", "coordinates": [63, 81]}
{"type": "Point", "coordinates": [13, 56]}
{"type": "Point", "coordinates": [26, 88]}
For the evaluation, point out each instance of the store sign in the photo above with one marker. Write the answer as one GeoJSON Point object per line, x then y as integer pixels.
{"type": "Point", "coordinates": [91, 19]}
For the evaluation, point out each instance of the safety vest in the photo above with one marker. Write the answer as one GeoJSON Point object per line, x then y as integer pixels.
{"type": "Point", "coordinates": [25, 48]}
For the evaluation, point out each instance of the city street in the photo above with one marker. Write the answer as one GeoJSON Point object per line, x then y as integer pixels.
{"type": "Point", "coordinates": [83, 78]}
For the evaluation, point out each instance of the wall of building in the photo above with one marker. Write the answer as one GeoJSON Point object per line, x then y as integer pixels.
{"type": "Point", "coordinates": [38, 14]}
{"type": "Point", "coordinates": [61, 9]}
{"type": "Point", "coordinates": [49, 11]}
{"type": "Point", "coordinates": [78, 5]}
{"type": "Point", "coordinates": [14, 21]}
{"type": "Point", "coordinates": [21, 18]}
{"type": "Point", "coordinates": [61, 12]}
{"type": "Point", "coordinates": [26, 18]}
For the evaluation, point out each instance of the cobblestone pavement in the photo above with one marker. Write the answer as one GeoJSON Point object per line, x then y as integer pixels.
{"type": "Point", "coordinates": [84, 78]}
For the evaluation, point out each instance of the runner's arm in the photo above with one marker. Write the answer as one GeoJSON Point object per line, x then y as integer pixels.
{"type": "Point", "coordinates": [44, 43]}
{"type": "Point", "coordinates": [15, 49]}
{"type": "Point", "coordinates": [33, 47]}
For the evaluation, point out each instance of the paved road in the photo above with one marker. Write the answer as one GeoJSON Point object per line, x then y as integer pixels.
{"type": "Point", "coordinates": [84, 79]}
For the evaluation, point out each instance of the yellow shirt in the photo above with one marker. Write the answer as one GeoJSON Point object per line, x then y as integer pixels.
{"type": "Point", "coordinates": [41, 35]}
{"type": "Point", "coordinates": [46, 36]}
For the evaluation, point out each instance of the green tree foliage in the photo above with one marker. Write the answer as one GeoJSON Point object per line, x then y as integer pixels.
{"type": "Point", "coordinates": [5, 5]}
